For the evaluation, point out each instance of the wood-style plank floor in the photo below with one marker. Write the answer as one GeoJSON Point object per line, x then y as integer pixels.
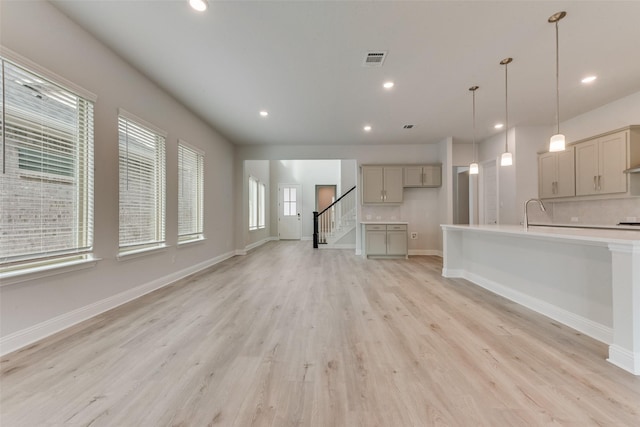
{"type": "Point", "coordinates": [289, 336]}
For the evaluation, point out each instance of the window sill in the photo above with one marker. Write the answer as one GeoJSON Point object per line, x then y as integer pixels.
{"type": "Point", "coordinates": [136, 253]}
{"type": "Point", "coordinates": [191, 242]}
{"type": "Point", "coordinates": [37, 272]}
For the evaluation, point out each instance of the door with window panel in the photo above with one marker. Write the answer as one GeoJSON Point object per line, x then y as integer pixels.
{"type": "Point", "coordinates": [289, 209]}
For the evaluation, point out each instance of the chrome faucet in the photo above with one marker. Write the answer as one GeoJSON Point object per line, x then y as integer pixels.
{"type": "Point", "coordinates": [526, 217]}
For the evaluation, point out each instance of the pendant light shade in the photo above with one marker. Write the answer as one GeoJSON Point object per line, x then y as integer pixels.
{"type": "Point", "coordinates": [473, 167]}
{"type": "Point", "coordinates": [507, 158]}
{"type": "Point", "coordinates": [557, 141]}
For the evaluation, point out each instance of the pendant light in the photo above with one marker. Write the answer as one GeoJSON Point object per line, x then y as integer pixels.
{"type": "Point", "coordinates": [557, 142]}
{"type": "Point", "coordinates": [473, 167]}
{"type": "Point", "coordinates": [506, 159]}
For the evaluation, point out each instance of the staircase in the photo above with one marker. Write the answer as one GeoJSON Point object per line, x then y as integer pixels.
{"type": "Point", "coordinates": [334, 227]}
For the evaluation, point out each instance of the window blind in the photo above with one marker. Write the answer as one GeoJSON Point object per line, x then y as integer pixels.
{"type": "Point", "coordinates": [190, 193]}
{"type": "Point", "coordinates": [142, 185]}
{"type": "Point", "coordinates": [46, 186]}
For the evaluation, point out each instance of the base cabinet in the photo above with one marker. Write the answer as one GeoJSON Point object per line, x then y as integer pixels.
{"type": "Point", "coordinates": [386, 240]}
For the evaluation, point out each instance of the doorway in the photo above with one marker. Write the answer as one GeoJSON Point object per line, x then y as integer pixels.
{"type": "Point", "coordinates": [461, 195]}
{"type": "Point", "coordinates": [289, 207]}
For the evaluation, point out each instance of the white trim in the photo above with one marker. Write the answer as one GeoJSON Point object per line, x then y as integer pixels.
{"type": "Point", "coordinates": [306, 238]}
{"type": "Point", "coordinates": [452, 273]}
{"type": "Point", "coordinates": [22, 338]}
{"type": "Point", "coordinates": [257, 244]}
{"type": "Point", "coordinates": [191, 147]}
{"type": "Point", "coordinates": [47, 270]}
{"type": "Point", "coordinates": [625, 359]}
{"type": "Point", "coordinates": [35, 68]}
{"type": "Point", "coordinates": [426, 252]}
{"type": "Point", "coordinates": [141, 122]}
{"type": "Point", "coordinates": [136, 253]}
{"type": "Point", "coordinates": [588, 327]}
{"type": "Point", "coordinates": [337, 246]}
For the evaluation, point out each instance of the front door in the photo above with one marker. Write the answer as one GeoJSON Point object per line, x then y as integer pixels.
{"type": "Point", "coordinates": [289, 208]}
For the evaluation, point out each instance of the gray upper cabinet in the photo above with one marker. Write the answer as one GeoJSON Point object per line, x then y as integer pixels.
{"type": "Point", "coordinates": [423, 176]}
{"type": "Point", "coordinates": [382, 184]}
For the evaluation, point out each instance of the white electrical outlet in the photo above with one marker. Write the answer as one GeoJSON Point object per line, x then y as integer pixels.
{"type": "Point", "coordinates": [414, 235]}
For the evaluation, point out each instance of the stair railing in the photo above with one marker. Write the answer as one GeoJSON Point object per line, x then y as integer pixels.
{"type": "Point", "coordinates": [337, 215]}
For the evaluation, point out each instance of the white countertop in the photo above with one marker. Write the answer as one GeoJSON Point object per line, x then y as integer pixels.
{"type": "Point", "coordinates": [604, 236]}
{"type": "Point", "coordinates": [383, 222]}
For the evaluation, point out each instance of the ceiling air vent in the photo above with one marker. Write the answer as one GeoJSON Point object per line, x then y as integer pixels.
{"type": "Point", "coordinates": [374, 59]}
{"type": "Point", "coordinates": [407, 127]}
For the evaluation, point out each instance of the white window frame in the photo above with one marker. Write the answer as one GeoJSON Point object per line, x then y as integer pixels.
{"type": "Point", "coordinates": [262, 189]}
{"type": "Point", "coordinates": [74, 251]}
{"type": "Point", "coordinates": [147, 174]}
{"type": "Point", "coordinates": [253, 203]}
{"type": "Point", "coordinates": [190, 193]}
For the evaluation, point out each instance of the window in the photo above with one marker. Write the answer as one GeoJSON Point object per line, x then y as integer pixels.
{"type": "Point", "coordinates": [261, 205]}
{"type": "Point", "coordinates": [289, 201]}
{"type": "Point", "coordinates": [253, 203]}
{"type": "Point", "coordinates": [257, 192]}
{"type": "Point", "coordinates": [142, 184]}
{"type": "Point", "coordinates": [46, 181]}
{"type": "Point", "coordinates": [190, 193]}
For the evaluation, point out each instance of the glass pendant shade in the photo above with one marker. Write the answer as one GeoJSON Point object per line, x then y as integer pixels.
{"type": "Point", "coordinates": [506, 159]}
{"type": "Point", "coordinates": [556, 143]}
{"type": "Point", "coordinates": [473, 169]}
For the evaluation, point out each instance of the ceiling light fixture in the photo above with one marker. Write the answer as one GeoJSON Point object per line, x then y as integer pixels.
{"type": "Point", "coordinates": [557, 141]}
{"type": "Point", "coordinates": [199, 5]}
{"type": "Point", "coordinates": [388, 85]}
{"type": "Point", "coordinates": [367, 128]}
{"type": "Point", "coordinates": [498, 126]}
{"type": "Point", "coordinates": [264, 113]}
{"type": "Point", "coordinates": [506, 159]}
{"type": "Point", "coordinates": [589, 79]}
{"type": "Point", "coordinates": [473, 167]}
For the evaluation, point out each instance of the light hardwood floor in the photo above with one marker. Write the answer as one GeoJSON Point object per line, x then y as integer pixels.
{"type": "Point", "coordinates": [289, 336]}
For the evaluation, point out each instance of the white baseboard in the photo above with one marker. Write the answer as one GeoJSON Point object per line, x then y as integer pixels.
{"type": "Point", "coordinates": [256, 244]}
{"type": "Point", "coordinates": [338, 246]}
{"type": "Point", "coordinates": [588, 327]}
{"type": "Point", "coordinates": [625, 359]}
{"type": "Point", "coordinates": [426, 252]}
{"type": "Point", "coordinates": [22, 338]}
{"type": "Point", "coordinates": [452, 273]}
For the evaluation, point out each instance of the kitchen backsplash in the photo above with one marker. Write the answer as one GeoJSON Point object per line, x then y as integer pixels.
{"type": "Point", "coordinates": [596, 212]}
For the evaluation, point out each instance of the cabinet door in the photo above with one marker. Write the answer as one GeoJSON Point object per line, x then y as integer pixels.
{"type": "Point", "coordinates": [432, 176]}
{"type": "Point", "coordinates": [413, 176]}
{"type": "Point", "coordinates": [372, 184]}
{"type": "Point", "coordinates": [612, 153]}
{"type": "Point", "coordinates": [393, 184]}
{"type": "Point", "coordinates": [547, 171]}
{"type": "Point", "coordinates": [566, 173]}
{"type": "Point", "coordinates": [376, 242]}
{"type": "Point", "coordinates": [587, 168]}
{"type": "Point", "coordinates": [396, 240]}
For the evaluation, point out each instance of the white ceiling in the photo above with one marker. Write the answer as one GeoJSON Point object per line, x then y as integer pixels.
{"type": "Point", "coordinates": [302, 61]}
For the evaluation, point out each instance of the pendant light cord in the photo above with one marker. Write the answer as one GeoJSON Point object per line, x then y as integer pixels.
{"type": "Point", "coordinates": [474, 125]}
{"type": "Point", "coordinates": [506, 110]}
{"type": "Point", "coordinates": [557, 81]}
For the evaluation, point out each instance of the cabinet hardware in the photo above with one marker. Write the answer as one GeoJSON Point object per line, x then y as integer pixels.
{"type": "Point", "coordinates": [595, 180]}
{"type": "Point", "coordinates": [599, 180]}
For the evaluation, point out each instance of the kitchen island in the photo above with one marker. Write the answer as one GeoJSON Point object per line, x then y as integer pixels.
{"type": "Point", "coordinates": [588, 279]}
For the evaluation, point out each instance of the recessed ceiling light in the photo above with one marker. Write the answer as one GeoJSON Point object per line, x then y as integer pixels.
{"type": "Point", "coordinates": [199, 5]}
{"type": "Point", "coordinates": [498, 126]}
{"type": "Point", "coordinates": [589, 79]}
{"type": "Point", "coordinates": [264, 113]}
{"type": "Point", "coordinates": [367, 128]}
{"type": "Point", "coordinates": [388, 85]}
